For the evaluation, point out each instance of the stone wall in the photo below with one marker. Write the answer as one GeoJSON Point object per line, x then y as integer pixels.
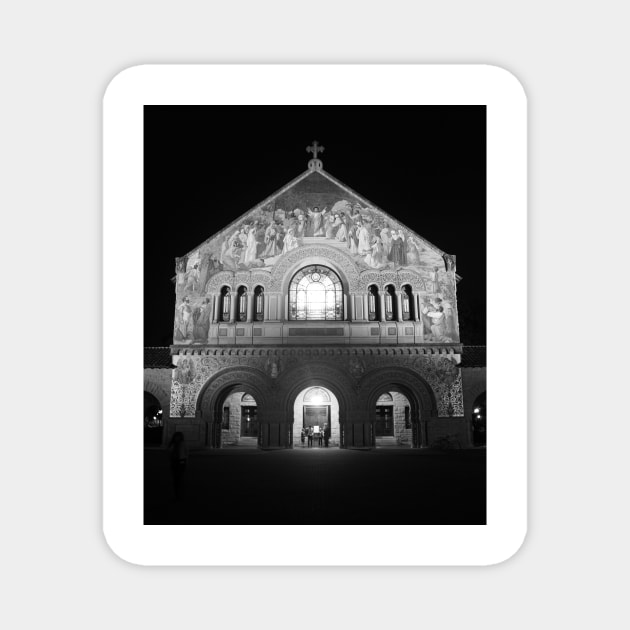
{"type": "Point", "coordinates": [402, 435]}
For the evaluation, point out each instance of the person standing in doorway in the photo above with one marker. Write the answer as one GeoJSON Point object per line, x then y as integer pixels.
{"type": "Point", "coordinates": [310, 436]}
{"type": "Point", "coordinates": [320, 438]}
{"type": "Point", "coordinates": [303, 437]}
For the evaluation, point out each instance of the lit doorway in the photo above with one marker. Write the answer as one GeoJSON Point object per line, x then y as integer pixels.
{"type": "Point", "coordinates": [316, 408]}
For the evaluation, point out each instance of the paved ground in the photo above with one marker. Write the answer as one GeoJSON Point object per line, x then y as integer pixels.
{"type": "Point", "coordinates": [319, 486]}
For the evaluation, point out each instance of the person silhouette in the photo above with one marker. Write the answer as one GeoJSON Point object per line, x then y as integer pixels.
{"type": "Point", "coordinates": [178, 460]}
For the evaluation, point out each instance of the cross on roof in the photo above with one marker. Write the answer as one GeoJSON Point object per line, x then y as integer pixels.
{"type": "Point", "coordinates": [315, 148]}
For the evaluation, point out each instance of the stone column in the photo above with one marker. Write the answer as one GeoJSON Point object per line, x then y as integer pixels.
{"type": "Point", "coordinates": [399, 307]}
{"type": "Point", "coordinates": [266, 308]}
{"type": "Point", "coordinates": [250, 307]}
{"type": "Point", "coordinates": [352, 307]}
{"type": "Point", "coordinates": [366, 312]}
{"type": "Point", "coordinates": [381, 298]}
{"type": "Point", "coordinates": [216, 303]}
{"type": "Point", "coordinates": [416, 306]}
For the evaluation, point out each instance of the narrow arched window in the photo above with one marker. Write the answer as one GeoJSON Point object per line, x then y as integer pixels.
{"type": "Point", "coordinates": [226, 303]}
{"type": "Point", "coordinates": [373, 303]}
{"type": "Point", "coordinates": [390, 303]}
{"type": "Point", "coordinates": [259, 304]}
{"type": "Point", "coordinates": [407, 303]}
{"type": "Point", "coordinates": [315, 293]}
{"type": "Point", "coordinates": [242, 304]}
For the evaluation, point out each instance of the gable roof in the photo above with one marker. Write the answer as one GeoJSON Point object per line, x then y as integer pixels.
{"type": "Point", "coordinates": [315, 181]}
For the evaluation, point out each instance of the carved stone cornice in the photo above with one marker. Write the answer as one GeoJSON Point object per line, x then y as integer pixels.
{"type": "Point", "coordinates": [308, 351]}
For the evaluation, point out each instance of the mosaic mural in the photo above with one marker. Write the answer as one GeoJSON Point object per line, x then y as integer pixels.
{"type": "Point", "coordinates": [314, 211]}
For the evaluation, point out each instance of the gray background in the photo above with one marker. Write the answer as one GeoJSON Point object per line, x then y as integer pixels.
{"type": "Point", "coordinates": [57, 59]}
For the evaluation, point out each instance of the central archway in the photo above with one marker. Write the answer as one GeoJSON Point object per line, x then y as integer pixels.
{"type": "Point", "coordinates": [295, 383]}
{"type": "Point", "coordinates": [316, 407]}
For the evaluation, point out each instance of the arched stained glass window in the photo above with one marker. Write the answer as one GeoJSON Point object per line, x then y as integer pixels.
{"type": "Point", "coordinates": [407, 303]}
{"type": "Point", "coordinates": [373, 303]}
{"type": "Point", "coordinates": [242, 304]}
{"type": "Point", "coordinates": [315, 293]}
{"type": "Point", "coordinates": [259, 297]}
{"type": "Point", "coordinates": [390, 303]}
{"type": "Point", "coordinates": [226, 303]}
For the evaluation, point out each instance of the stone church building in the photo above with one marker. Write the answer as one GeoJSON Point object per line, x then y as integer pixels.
{"type": "Point", "coordinates": [315, 309]}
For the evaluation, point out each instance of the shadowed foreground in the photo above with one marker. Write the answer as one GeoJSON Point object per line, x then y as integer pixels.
{"type": "Point", "coordinates": [319, 486]}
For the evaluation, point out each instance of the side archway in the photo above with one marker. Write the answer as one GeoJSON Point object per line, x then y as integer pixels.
{"type": "Point", "coordinates": [422, 402]}
{"type": "Point", "coordinates": [156, 406]}
{"type": "Point", "coordinates": [220, 386]}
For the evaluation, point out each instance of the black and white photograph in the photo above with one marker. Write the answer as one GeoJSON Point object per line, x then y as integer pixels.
{"type": "Point", "coordinates": [314, 315]}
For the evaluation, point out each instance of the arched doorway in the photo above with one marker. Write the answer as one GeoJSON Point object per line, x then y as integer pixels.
{"type": "Point", "coordinates": [392, 425]}
{"type": "Point", "coordinates": [153, 421]}
{"type": "Point", "coordinates": [239, 419]}
{"type": "Point", "coordinates": [235, 407]}
{"type": "Point", "coordinates": [479, 421]}
{"type": "Point", "coordinates": [323, 374]}
{"type": "Point", "coordinates": [316, 407]}
{"type": "Point", "coordinates": [412, 404]}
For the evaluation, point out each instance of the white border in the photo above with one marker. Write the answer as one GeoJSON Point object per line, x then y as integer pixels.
{"type": "Point", "coordinates": [124, 99]}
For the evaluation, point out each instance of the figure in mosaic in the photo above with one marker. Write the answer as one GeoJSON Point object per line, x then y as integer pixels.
{"type": "Point", "coordinates": [251, 248]}
{"type": "Point", "coordinates": [183, 321]}
{"type": "Point", "coordinates": [317, 221]}
{"type": "Point", "coordinates": [352, 238]}
{"type": "Point", "coordinates": [363, 247]}
{"type": "Point", "coordinates": [290, 242]}
{"type": "Point", "coordinates": [185, 371]}
{"type": "Point", "coordinates": [397, 252]}
{"type": "Point", "coordinates": [201, 321]}
{"type": "Point", "coordinates": [413, 251]}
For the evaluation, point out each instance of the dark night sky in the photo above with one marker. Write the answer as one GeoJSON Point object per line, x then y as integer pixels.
{"type": "Point", "coordinates": [205, 166]}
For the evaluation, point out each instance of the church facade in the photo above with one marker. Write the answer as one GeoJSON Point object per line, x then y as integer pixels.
{"type": "Point", "coordinates": [315, 311]}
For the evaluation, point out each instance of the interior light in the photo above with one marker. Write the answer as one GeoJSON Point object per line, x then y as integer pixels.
{"type": "Point", "coordinates": [476, 410]}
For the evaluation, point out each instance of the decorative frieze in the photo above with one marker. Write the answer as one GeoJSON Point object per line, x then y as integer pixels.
{"type": "Point", "coordinates": [437, 366]}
